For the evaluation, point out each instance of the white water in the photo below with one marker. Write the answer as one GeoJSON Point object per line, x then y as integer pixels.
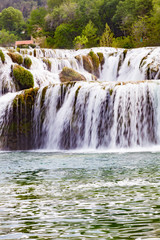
{"type": "Point", "coordinates": [119, 110]}
{"type": "Point", "coordinates": [90, 116]}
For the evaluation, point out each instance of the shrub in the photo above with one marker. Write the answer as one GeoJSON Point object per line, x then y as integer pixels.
{"type": "Point", "coordinates": [23, 77]}
{"type": "Point", "coordinates": [17, 58]}
{"type": "Point", "coordinates": [27, 62]}
{"type": "Point", "coordinates": [2, 56]}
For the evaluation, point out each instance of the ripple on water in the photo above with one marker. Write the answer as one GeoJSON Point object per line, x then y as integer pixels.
{"type": "Point", "coordinates": [79, 196]}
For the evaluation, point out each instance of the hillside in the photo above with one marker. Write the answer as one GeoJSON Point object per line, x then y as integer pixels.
{"type": "Point", "coordinates": [26, 6]}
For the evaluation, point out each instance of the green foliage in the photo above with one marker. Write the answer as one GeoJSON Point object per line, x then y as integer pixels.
{"type": "Point", "coordinates": [11, 19]}
{"type": "Point", "coordinates": [36, 21]}
{"type": "Point", "coordinates": [88, 38]}
{"type": "Point", "coordinates": [107, 37]}
{"type": "Point", "coordinates": [90, 32]}
{"type": "Point", "coordinates": [64, 36]}
{"type": "Point", "coordinates": [53, 3]}
{"type": "Point", "coordinates": [27, 62]}
{"type": "Point", "coordinates": [2, 56]}
{"type": "Point", "coordinates": [81, 23]}
{"type": "Point", "coordinates": [80, 42]}
{"type": "Point", "coordinates": [23, 77]}
{"type": "Point", "coordinates": [16, 57]}
{"type": "Point", "coordinates": [123, 42]}
{"type": "Point", "coordinates": [7, 39]}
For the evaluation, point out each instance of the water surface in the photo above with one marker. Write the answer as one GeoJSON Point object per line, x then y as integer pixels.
{"type": "Point", "coordinates": [79, 195]}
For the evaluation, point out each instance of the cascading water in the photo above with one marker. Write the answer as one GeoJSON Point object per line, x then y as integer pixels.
{"type": "Point", "coordinates": [119, 109]}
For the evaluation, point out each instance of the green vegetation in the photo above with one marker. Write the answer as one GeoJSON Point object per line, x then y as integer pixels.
{"type": "Point", "coordinates": [27, 62]}
{"type": "Point", "coordinates": [48, 63]}
{"type": "Point", "coordinates": [16, 57]}
{"type": "Point", "coordinates": [70, 75]}
{"type": "Point", "coordinates": [2, 56]}
{"type": "Point", "coordinates": [81, 24]}
{"type": "Point", "coordinates": [23, 77]}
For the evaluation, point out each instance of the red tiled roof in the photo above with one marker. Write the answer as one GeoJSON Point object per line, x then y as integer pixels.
{"type": "Point", "coordinates": [24, 42]}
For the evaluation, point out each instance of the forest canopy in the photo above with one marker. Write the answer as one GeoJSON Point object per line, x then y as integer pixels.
{"type": "Point", "coordinates": [82, 24]}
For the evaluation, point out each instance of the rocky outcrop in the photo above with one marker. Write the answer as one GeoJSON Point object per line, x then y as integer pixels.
{"type": "Point", "coordinates": [92, 62]}
{"type": "Point", "coordinates": [70, 75]}
{"type": "Point", "coordinates": [22, 77]}
{"type": "Point", "coordinates": [18, 133]}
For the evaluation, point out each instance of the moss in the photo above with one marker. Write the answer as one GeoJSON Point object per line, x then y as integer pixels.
{"type": "Point", "coordinates": [2, 56]}
{"type": "Point", "coordinates": [70, 75]}
{"type": "Point", "coordinates": [74, 104]}
{"type": "Point", "coordinates": [20, 127]}
{"type": "Point", "coordinates": [34, 53]}
{"type": "Point", "coordinates": [43, 51]}
{"type": "Point", "coordinates": [18, 50]}
{"type": "Point", "coordinates": [23, 77]}
{"type": "Point", "coordinates": [87, 64]}
{"type": "Point", "coordinates": [95, 61]}
{"type": "Point", "coordinates": [125, 53]}
{"type": "Point", "coordinates": [101, 57]}
{"type": "Point", "coordinates": [27, 62]}
{"type": "Point", "coordinates": [48, 63]}
{"type": "Point", "coordinates": [43, 95]}
{"type": "Point", "coordinates": [16, 57]}
{"type": "Point", "coordinates": [110, 91]}
{"type": "Point", "coordinates": [143, 62]}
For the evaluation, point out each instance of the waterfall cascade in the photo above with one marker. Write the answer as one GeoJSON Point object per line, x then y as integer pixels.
{"type": "Point", "coordinates": [117, 106]}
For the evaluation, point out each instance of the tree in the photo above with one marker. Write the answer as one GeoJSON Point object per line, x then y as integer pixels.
{"type": "Point", "coordinates": [11, 19]}
{"type": "Point", "coordinates": [36, 21]}
{"type": "Point", "coordinates": [64, 36]}
{"type": "Point", "coordinates": [80, 42]}
{"type": "Point", "coordinates": [141, 32]}
{"type": "Point", "coordinates": [90, 33]}
{"type": "Point", "coordinates": [107, 37]}
{"type": "Point", "coordinates": [53, 3]}
{"type": "Point", "coordinates": [65, 13]}
{"type": "Point", "coordinates": [7, 39]}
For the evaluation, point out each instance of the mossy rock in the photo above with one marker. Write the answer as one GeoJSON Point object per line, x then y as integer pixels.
{"type": "Point", "coordinates": [2, 56]}
{"type": "Point", "coordinates": [20, 128]}
{"type": "Point", "coordinates": [101, 58]}
{"type": "Point", "coordinates": [34, 53]}
{"type": "Point", "coordinates": [70, 75]}
{"type": "Point", "coordinates": [95, 62]}
{"type": "Point", "coordinates": [27, 62]}
{"type": "Point", "coordinates": [23, 77]}
{"type": "Point", "coordinates": [78, 58]}
{"type": "Point", "coordinates": [48, 63]}
{"type": "Point", "coordinates": [16, 57]}
{"type": "Point", "coordinates": [87, 64]}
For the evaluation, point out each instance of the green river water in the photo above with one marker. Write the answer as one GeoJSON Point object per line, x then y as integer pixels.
{"type": "Point", "coordinates": [79, 195]}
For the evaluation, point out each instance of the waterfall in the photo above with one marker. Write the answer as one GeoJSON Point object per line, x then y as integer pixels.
{"type": "Point", "coordinates": [117, 106]}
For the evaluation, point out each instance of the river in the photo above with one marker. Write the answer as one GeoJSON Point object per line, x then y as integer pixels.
{"type": "Point", "coordinates": [79, 196]}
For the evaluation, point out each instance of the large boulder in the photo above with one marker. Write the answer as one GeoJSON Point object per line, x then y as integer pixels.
{"type": "Point", "coordinates": [22, 77]}
{"type": "Point", "coordinates": [70, 75]}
